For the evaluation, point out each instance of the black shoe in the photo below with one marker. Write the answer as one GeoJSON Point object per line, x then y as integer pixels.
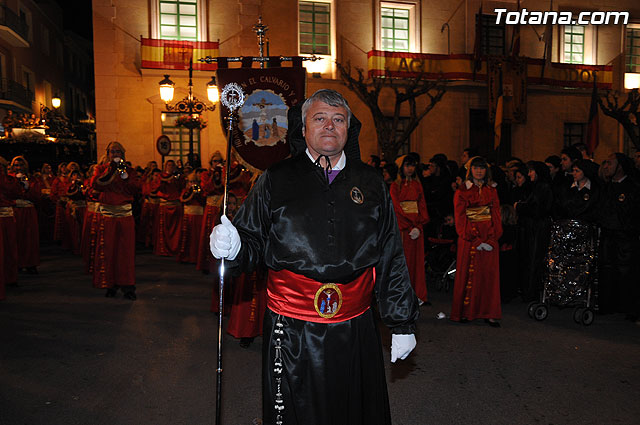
{"type": "Point", "coordinates": [130, 296]}
{"type": "Point", "coordinates": [245, 342]}
{"type": "Point", "coordinates": [492, 323]}
{"type": "Point", "coordinates": [111, 293]}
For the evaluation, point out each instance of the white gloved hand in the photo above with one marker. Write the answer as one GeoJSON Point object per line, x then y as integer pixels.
{"type": "Point", "coordinates": [484, 247]}
{"type": "Point", "coordinates": [224, 240]}
{"type": "Point", "coordinates": [401, 346]}
{"type": "Point", "coordinates": [414, 233]}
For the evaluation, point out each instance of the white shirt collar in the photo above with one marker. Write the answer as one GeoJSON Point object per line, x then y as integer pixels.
{"type": "Point", "coordinates": [621, 179]}
{"type": "Point", "coordinates": [339, 165]}
{"type": "Point", "coordinates": [587, 185]}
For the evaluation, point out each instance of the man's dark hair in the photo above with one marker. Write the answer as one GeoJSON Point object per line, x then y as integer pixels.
{"type": "Point", "coordinates": [554, 160]}
{"type": "Point", "coordinates": [572, 152]}
{"type": "Point", "coordinates": [471, 152]}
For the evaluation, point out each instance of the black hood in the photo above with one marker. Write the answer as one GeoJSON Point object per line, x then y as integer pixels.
{"type": "Point", "coordinates": [297, 143]}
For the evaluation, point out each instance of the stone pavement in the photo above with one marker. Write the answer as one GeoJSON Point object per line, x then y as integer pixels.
{"type": "Point", "coordinates": [68, 355]}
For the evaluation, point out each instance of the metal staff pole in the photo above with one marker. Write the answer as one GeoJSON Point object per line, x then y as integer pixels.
{"type": "Point", "coordinates": [232, 98]}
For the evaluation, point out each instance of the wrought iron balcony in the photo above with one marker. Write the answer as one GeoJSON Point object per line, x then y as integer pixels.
{"type": "Point", "coordinates": [14, 92]}
{"type": "Point", "coordinates": [13, 30]}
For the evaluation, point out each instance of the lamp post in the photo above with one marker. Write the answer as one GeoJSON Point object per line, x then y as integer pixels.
{"type": "Point", "coordinates": [190, 105]}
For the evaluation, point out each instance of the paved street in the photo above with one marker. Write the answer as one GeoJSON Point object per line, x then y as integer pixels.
{"type": "Point", "coordinates": [68, 355]}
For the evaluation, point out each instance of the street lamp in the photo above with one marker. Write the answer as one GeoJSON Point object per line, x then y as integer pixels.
{"type": "Point", "coordinates": [55, 102]}
{"type": "Point", "coordinates": [190, 105]}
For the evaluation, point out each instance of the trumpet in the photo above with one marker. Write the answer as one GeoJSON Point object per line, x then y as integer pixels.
{"type": "Point", "coordinates": [121, 168]}
{"type": "Point", "coordinates": [196, 188]}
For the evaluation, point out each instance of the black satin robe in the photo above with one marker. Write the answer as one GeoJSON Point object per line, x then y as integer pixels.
{"type": "Point", "coordinates": [293, 219]}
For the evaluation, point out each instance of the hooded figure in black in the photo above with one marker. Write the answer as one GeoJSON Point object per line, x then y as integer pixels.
{"type": "Point", "coordinates": [323, 223]}
{"type": "Point", "coordinates": [534, 221]}
{"type": "Point", "coordinates": [619, 283]}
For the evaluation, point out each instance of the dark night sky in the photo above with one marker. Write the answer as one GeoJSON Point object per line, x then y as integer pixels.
{"type": "Point", "coordinates": [77, 16]}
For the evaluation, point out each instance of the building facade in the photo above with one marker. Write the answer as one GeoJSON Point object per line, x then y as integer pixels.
{"type": "Point", "coordinates": [408, 36]}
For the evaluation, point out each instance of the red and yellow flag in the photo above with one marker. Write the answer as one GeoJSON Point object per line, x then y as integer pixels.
{"type": "Point", "coordinates": [175, 54]}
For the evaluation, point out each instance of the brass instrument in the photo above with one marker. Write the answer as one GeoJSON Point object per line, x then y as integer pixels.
{"type": "Point", "coordinates": [121, 168]}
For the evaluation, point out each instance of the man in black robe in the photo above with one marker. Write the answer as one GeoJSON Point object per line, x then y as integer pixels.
{"type": "Point", "coordinates": [323, 223]}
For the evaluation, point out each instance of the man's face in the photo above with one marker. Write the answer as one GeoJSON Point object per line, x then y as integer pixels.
{"type": "Point", "coordinates": [609, 166]}
{"type": "Point", "coordinates": [170, 167]}
{"type": "Point", "coordinates": [552, 169]}
{"type": "Point", "coordinates": [565, 162]}
{"type": "Point", "coordinates": [325, 129]}
{"type": "Point", "coordinates": [115, 152]}
{"type": "Point", "coordinates": [464, 158]}
{"type": "Point", "coordinates": [18, 166]}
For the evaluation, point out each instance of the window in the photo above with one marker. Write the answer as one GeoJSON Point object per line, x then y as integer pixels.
{"type": "Point", "coordinates": [573, 133]}
{"type": "Point", "coordinates": [315, 28]}
{"type": "Point", "coordinates": [398, 28]}
{"type": "Point", "coordinates": [25, 17]}
{"type": "Point", "coordinates": [45, 40]}
{"type": "Point", "coordinates": [179, 137]}
{"type": "Point", "coordinates": [493, 35]}
{"type": "Point", "coordinates": [574, 44]}
{"type": "Point", "coordinates": [179, 19]}
{"type": "Point", "coordinates": [394, 27]}
{"type": "Point", "coordinates": [632, 49]}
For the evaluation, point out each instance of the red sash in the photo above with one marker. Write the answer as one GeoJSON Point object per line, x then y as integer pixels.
{"type": "Point", "coordinates": [300, 297]}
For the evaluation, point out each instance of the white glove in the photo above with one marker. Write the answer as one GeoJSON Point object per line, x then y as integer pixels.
{"type": "Point", "coordinates": [484, 247]}
{"type": "Point", "coordinates": [414, 233]}
{"type": "Point", "coordinates": [224, 240]}
{"type": "Point", "coordinates": [401, 346]}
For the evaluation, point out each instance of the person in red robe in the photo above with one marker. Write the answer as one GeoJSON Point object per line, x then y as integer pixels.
{"type": "Point", "coordinates": [26, 217]}
{"type": "Point", "coordinates": [46, 207]}
{"type": "Point", "coordinates": [75, 211]}
{"type": "Point", "coordinates": [67, 220]}
{"type": "Point", "coordinates": [117, 185]}
{"type": "Point", "coordinates": [476, 292]}
{"type": "Point", "coordinates": [193, 202]}
{"type": "Point", "coordinates": [169, 185]}
{"type": "Point", "coordinates": [411, 210]}
{"type": "Point", "coordinates": [90, 224]}
{"type": "Point", "coordinates": [59, 188]}
{"type": "Point", "coordinates": [10, 190]}
{"type": "Point", "coordinates": [150, 203]}
{"type": "Point", "coordinates": [212, 185]}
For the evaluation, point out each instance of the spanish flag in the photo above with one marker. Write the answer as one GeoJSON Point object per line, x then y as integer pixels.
{"type": "Point", "coordinates": [175, 54]}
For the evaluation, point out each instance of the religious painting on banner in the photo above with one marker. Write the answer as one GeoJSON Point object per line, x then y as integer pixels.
{"type": "Point", "coordinates": [507, 77]}
{"type": "Point", "coordinates": [260, 128]}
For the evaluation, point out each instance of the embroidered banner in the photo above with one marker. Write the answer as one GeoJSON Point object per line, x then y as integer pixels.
{"type": "Point", "coordinates": [460, 67]}
{"type": "Point", "coordinates": [260, 128]}
{"type": "Point", "coordinates": [174, 54]}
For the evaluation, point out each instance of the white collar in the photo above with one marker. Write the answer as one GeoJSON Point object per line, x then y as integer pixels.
{"type": "Point", "coordinates": [339, 165]}
{"type": "Point", "coordinates": [587, 185]}
{"type": "Point", "coordinates": [621, 179]}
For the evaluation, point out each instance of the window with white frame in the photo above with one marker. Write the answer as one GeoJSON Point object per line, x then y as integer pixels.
{"type": "Point", "coordinates": [315, 27]}
{"type": "Point", "coordinates": [178, 19]}
{"type": "Point", "coordinates": [179, 137]}
{"type": "Point", "coordinates": [398, 27]}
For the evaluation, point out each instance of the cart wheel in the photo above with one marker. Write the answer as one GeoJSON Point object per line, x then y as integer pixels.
{"type": "Point", "coordinates": [540, 312]}
{"type": "Point", "coordinates": [577, 314]}
{"type": "Point", "coordinates": [587, 317]}
{"type": "Point", "coordinates": [531, 308]}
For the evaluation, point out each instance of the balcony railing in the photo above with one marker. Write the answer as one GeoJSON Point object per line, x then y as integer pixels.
{"type": "Point", "coordinates": [10, 19]}
{"type": "Point", "coordinates": [15, 92]}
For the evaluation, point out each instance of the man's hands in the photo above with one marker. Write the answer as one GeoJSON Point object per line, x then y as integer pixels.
{"type": "Point", "coordinates": [401, 346]}
{"type": "Point", "coordinates": [224, 240]}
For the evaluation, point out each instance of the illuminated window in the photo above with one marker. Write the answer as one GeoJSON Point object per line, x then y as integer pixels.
{"type": "Point", "coordinates": [178, 19]}
{"type": "Point", "coordinates": [574, 44]}
{"type": "Point", "coordinates": [315, 28]}
{"type": "Point", "coordinates": [394, 27]}
{"type": "Point", "coordinates": [632, 49]}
